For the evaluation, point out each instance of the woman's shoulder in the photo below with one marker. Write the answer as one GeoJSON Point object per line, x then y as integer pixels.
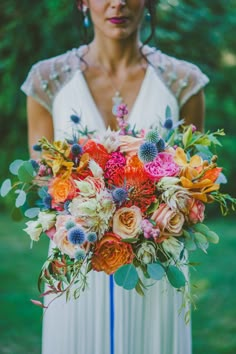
{"type": "Point", "coordinates": [48, 76]}
{"type": "Point", "coordinates": [184, 79]}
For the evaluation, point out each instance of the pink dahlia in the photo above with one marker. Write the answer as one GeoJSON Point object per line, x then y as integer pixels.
{"type": "Point", "coordinates": [162, 166]}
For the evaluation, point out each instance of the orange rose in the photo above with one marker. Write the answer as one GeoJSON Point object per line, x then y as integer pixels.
{"type": "Point", "coordinates": [111, 253]}
{"type": "Point", "coordinates": [62, 189]}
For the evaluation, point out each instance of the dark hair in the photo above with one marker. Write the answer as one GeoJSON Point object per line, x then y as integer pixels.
{"type": "Point", "coordinates": [150, 5]}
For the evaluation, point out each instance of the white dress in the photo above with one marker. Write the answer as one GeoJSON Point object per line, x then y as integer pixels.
{"type": "Point", "coordinates": [143, 325]}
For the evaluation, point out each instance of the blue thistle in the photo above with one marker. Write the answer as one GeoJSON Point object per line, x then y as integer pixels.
{"type": "Point", "coordinates": [152, 136]}
{"type": "Point", "coordinates": [69, 224]}
{"type": "Point", "coordinates": [37, 147]}
{"type": "Point", "coordinates": [66, 205]}
{"type": "Point", "coordinates": [47, 201]}
{"type": "Point", "coordinates": [160, 145]}
{"type": "Point", "coordinates": [75, 119]}
{"type": "Point", "coordinates": [76, 235]}
{"type": "Point", "coordinates": [119, 195]}
{"type": "Point", "coordinates": [92, 237]}
{"type": "Point", "coordinates": [147, 152]}
{"type": "Point", "coordinates": [76, 149]}
{"type": "Point", "coordinates": [34, 164]}
{"type": "Point", "coordinates": [168, 123]}
{"type": "Point", "coordinates": [80, 254]}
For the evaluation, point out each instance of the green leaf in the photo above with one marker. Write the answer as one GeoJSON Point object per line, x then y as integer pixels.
{"type": "Point", "coordinates": [201, 241]}
{"type": "Point", "coordinates": [26, 172]}
{"type": "Point", "coordinates": [32, 212]}
{"type": "Point", "coordinates": [153, 207]}
{"type": "Point", "coordinates": [190, 245]}
{"type": "Point", "coordinates": [14, 166]}
{"type": "Point", "coordinates": [6, 187]}
{"type": "Point", "coordinates": [43, 192]}
{"type": "Point", "coordinates": [126, 276]}
{"type": "Point", "coordinates": [175, 277]}
{"type": "Point", "coordinates": [129, 240]}
{"type": "Point", "coordinates": [204, 151]}
{"type": "Point", "coordinates": [17, 214]}
{"type": "Point", "coordinates": [187, 137]}
{"type": "Point", "coordinates": [168, 113]}
{"type": "Point", "coordinates": [203, 229]}
{"type": "Point", "coordinates": [156, 271]}
{"type": "Point", "coordinates": [21, 198]}
{"type": "Point", "coordinates": [212, 237]}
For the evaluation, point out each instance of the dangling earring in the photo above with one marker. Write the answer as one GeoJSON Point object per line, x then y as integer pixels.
{"type": "Point", "coordinates": [86, 18]}
{"type": "Point", "coordinates": [148, 16]}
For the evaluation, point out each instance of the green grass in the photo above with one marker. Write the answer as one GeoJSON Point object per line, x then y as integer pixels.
{"type": "Point", "coordinates": [214, 324]}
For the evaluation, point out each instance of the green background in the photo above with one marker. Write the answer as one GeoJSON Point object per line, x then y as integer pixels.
{"type": "Point", "coordinates": [202, 32]}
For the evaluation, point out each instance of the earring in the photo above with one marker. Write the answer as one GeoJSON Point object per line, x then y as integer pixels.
{"type": "Point", "coordinates": [148, 16]}
{"type": "Point", "coordinates": [86, 18]}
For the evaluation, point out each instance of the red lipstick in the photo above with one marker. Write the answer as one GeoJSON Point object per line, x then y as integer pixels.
{"type": "Point", "coordinates": [118, 20]}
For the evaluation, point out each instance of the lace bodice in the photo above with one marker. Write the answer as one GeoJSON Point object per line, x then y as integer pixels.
{"type": "Point", "coordinates": [47, 77]}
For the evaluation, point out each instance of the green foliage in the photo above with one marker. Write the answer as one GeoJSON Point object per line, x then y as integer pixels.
{"type": "Point", "coordinates": [201, 31]}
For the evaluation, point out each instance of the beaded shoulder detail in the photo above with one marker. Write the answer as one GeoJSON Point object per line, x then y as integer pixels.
{"type": "Point", "coordinates": [182, 78]}
{"type": "Point", "coordinates": [47, 77]}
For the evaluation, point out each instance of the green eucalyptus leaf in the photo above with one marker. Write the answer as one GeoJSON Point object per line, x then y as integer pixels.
{"type": "Point", "coordinates": [43, 191]}
{"type": "Point", "coordinates": [203, 229]}
{"type": "Point", "coordinates": [156, 271]}
{"type": "Point", "coordinates": [175, 277]}
{"type": "Point", "coordinates": [126, 276]}
{"type": "Point", "coordinates": [201, 241]}
{"type": "Point", "coordinates": [14, 166]}
{"type": "Point", "coordinates": [212, 237]}
{"type": "Point", "coordinates": [21, 198]}
{"type": "Point", "coordinates": [17, 214]}
{"type": "Point", "coordinates": [6, 187]}
{"type": "Point", "coordinates": [190, 245]}
{"type": "Point", "coordinates": [205, 152]}
{"type": "Point", "coordinates": [26, 172]}
{"type": "Point", "coordinates": [32, 213]}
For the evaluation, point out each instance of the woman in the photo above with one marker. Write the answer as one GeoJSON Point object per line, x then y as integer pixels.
{"type": "Point", "coordinates": [115, 67]}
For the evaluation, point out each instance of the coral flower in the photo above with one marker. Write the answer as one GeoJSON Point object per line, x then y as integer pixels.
{"type": "Point", "coordinates": [111, 253]}
{"type": "Point", "coordinates": [141, 190]}
{"type": "Point", "coordinates": [62, 189]}
{"type": "Point", "coordinates": [97, 152]}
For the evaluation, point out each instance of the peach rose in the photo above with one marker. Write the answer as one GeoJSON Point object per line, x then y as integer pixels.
{"type": "Point", "coordinates": [169, 221]}
{"type": "Point", "coordinates": [111, 253]}
{"type": "Point", "coordinates": [60, 236]}
{"type": "Point", "coordinates": [62, 189]}
{"type": "Point", "coordinates": [127, 221]}
{"type": "Point", "coordinates": [196, 211]}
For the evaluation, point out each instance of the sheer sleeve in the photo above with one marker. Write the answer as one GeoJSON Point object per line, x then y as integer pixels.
{"type": "Point", "coordinates": [184, 79]}
{"type": "Point", "coordinates": [47, 77]}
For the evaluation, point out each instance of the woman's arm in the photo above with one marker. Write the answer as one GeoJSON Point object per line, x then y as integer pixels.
{"type": "Point", "coordinates": [40, 124]}
{"type": "Point", "coordinates": [193, 111]}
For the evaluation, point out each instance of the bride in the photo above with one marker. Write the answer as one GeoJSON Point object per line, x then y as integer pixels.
{"type": "Point", "coordinates": [91, 80]}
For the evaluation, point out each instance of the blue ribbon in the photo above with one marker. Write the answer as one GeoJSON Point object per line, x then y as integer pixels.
{"type": "Point", "coordinates": [112, 315]}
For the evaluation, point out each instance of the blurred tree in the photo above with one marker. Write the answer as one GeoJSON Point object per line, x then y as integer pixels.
{"type": "Point", "coordinates": [201, 31]}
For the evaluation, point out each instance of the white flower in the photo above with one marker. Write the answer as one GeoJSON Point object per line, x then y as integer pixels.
{"type": "Point", "coordinates": [96, 170]}
{"type": "Point", "coordinates": [172, 246]}
{"type": "Point", "coordinates": [47, 220]}
{"type": "Point", "coordinates": [110, 140]}
{"type": "Point", "coordinates": [90, 186]}
{"type": "Point", "coordinates": [166, 182]}
{"type": "Point", "coordinates": [33, 229]}
{"type": "Point", "coordinates": [147, 252]}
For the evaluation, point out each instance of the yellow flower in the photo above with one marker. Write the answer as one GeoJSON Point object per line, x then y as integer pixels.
{"type": "Point", "coordinates": [190, 169]}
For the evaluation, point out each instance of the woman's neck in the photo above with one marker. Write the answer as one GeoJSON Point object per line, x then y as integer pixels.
{"type": "Point", "coordinates": [114, 55]}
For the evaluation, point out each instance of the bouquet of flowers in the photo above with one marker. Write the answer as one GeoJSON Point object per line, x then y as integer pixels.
{"type": "Point", "coordinates": [129, 203]}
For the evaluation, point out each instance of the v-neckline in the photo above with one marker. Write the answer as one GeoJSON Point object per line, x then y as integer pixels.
{"type": "Point", "coordinates": [93, 106]}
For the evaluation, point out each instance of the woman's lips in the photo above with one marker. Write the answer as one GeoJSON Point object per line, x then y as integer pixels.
{"type": "Point", "coordinates": [118, 20]}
